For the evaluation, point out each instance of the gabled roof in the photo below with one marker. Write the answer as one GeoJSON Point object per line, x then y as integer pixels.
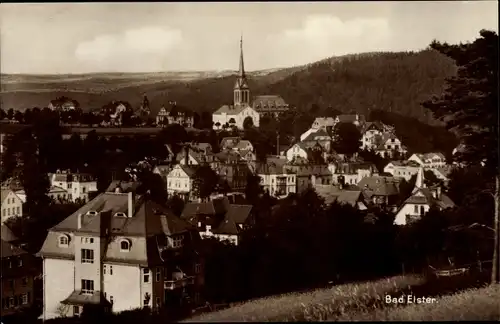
{"type": "Point", "coordinates": [424, 196]}
{"type": "Point", "coordinates": [231, 110]}
{"type": "Point", "coordinates": [8, 250]}
{"type": "Point", "coordinates": [332, 193]}
{"type": "Point", "coordinates": [229, 142]}
{"type": "Point", "coordinates": [269, 102]}
{"type": "Point", "coordinates": [380, 186]}
{"type": "Point", "coordinates": [228, 156]}
{"type": "Point", "coordinates": [7, 234]}
{"type": "Point", "coordinates": [190, 170]}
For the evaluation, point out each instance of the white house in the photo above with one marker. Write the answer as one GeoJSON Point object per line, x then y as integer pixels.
{"type": "Point", "coordinates": [77, 185]}
{"type": "Point", "coordinates": [58, 194]}
{"type": "Point", "coordinates": [351, 173]}
{"type": "Point", "coordinates": [429, 160]}
{"type": "Point", "coordinates": [388, 144]}
{"type": "Point", "coordinates": [421, 200]}
{"type": "Point", "coordinates": [403, 169]}
{"type": "Point", "coordinates": [219, 218]}
{"type": "Point", "coordinates": [323, 122]}
{"type": "Point", "coordinates": [278, 181]}
{"type": "Point", "coordinates": [297, 150]}
{"type": "Point", "coordinates": [180, 180]}
{"type": "Point", "coordinates": [12, 204]}
{"type": "Point", "coordinates": [234, 115]}
{"type": "Point", "coordinates": [111, 253]}
{"type": "Point", "coordinates": [370, 132]}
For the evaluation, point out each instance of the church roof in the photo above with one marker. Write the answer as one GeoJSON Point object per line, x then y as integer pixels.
{"type": "Point", "coordinates": [269, 102]}
{"type": "Point", "coordinates": [230, 109]}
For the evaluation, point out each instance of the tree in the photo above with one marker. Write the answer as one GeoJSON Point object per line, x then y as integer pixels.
{"type": "Point", "coordinates": [205, 181]}
{"type": "Point", "coordinates": [347, 138]}
{"type": "Point", "coordinates": [253, 188]}
{"type": "Point", "coordinates": [10, 114]}
{"type": "Point", "coordinates": [248, 123]}
{"type": "Point", "coordinates": [18, 116]}
{"type": "Point", "coordinates": [469, 107]}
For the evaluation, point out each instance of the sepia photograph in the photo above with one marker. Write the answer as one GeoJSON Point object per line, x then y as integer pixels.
{"type": "Point", "coordinates": [249, 162]}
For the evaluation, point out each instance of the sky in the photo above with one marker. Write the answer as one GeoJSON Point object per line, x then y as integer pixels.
{"type": "Point", "coordinates": [52, 38]}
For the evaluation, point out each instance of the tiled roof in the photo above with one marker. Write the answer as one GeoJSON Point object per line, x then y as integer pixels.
{"type": "Point", "coordinates": [380, 186]}
{"type": "Point", "coordinates": [189, 169]}
{"type": "Point", "coordinates": [332, 193]}
{"type": "Point", "coordinates": [243, 144]}
{"type": "Point", "coordinates": [150, 222]}
{"type": "Point", "coordinates": [229, 142]}
{"type": "Point", "coordinates": [427, 198]}
{"type": "Point", "coordinates": [7, 234]}
{"type": "Point", "coordinates": [349, 118]}
{"type": "Point", "coordinates": [227, 227]}
{"type": "Point", "coordinates": [239, 213]}
{"type": "Point", "coordinates": [230, 110]}
{"type": "Point", "coordinates": [269, 102]}
{"type": "Point", "coordinates": [8, 250]}
{"type": "Point", "coordinates": [228, 156]}
{"type": "Point", "coordinates": [125, 186]}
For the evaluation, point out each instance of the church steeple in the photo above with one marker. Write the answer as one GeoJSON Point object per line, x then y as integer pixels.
{"type": "Point", "coordinates": [241, 90]}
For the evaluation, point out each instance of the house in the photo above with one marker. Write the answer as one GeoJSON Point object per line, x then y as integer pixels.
{"type": "Point", "coordinates": [270, 105]}
{"type": "Point", "coordinates": [225, 157]}
{"type": "Point", "coordinates": [443, 173]}
{"type": "Point", "coordinates": [356, 119]}
{"type": "Point", "coordinates": [429, 160]}
{"type": "Point", "coordinates": [381, 191]}
{"type": "Point", "coordinates": [351, 173]}
{"type": "Point", "coordinates": [120, 251]}
{"type": "Point", "coordinates": [248, 156]}
{"type": "Point", "coordinates": [370, 130]}
{"type": "Point", "coordinates": [163, 170]}
{"type": "Point", "coordinates": [276, 179]}
{"type": "Point", "coordinates": [180, 180]}
{"type": "Point", "coordinates": [63, 104]}
{"type": "Point", "coordinates": [297, 150]}
{"type": "Point", "coordinates": [234, 174]}
{"type": "Point", "coordinates": [219, 218]}
{"type": "Point", "coordinates": [20, 273]}
{"type": "Point", "coordinates": [403, 169]}
{"type": "Point", "coordinates": [190, 156]}
{"type": "Point", "coordinates": [421, 200]}
{"type": "Point", "coordinates": [306, 171]}
{"type": "Point", "coordinates": [57, 194]}
{"type": "Point", "coordinates": [388, 145]}
{"type": "Point", "coordinates": [236, 143]}
{"type": "Point", "coordinates": [342, 195]}
{"type": "Point", "coordinates": [205, 148]}
{"type": "Point", "coordinates": [174, 114]}
{"type": "Point", "coordinates": [78, 185]}
{"type": "Point", "coordinates": [234, 115]}
{"type": "Point", "coordinates": [321, 137]}
{"type": "Point", "coordinates": [12, 204]}
{"type": "Point", "coordinates": [323, 123]}
{"type": "Point", "coordinates": [118, 109]}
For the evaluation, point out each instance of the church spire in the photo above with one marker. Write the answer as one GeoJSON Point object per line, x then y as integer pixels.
{"type": "Point", "coordinates": [241, 90]}
{"type": "Point", "coordinates": [241, 72]}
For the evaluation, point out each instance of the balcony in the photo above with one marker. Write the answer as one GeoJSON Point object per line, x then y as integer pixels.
{"type": "Point", "coordinates": [179, 283]}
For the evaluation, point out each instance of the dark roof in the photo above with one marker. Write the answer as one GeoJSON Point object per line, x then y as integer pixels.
{"type": "Point", "coordinates": [124, 186]}
{"type": "Point", "coordinates": [269, 102]}
{"type": "Point", "coordinates": [380, 186]}
{"type": "Point", "coordinates": [427, 198]}
{"type": "Point", "coordinates": [8, 250]}
{"type": "Point", "coordinates": [7, 234]}
{"type": "Point", "coordinates": [77, 298]}
{"type": "Point", "coordinates": [350, 118]}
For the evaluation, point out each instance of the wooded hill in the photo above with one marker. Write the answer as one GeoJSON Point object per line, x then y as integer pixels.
{"type": "Point", "coordinates": [395, 82]}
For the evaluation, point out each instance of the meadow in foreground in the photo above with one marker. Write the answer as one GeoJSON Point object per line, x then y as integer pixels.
{"type": "Point", "coordinates": [315, 305]}
{"type": "Point", "coordinates": [470, 305]}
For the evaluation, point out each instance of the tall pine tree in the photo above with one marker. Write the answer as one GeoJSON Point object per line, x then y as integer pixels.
{"type": "Point", "coordinates": [469, 106]}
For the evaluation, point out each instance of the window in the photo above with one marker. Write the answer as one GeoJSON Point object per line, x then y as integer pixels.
{"type": "Point", "coordinates": [104, 269]}
{"type": "Point", "coordinates": [83, 189]}
{"type": "Point", "coordinates": [18, 210]}
{"type": "Point", "coordinates": [422, 210]}
{"type": "Point", "coordinates": [177, 241]}
{"type": "Point", "coordinates": [87, 256]}
{"type": "Point", "coordinates": [110, 270]}
{"type": "Point", "coordinates": [158, 274]}
{"type": "Point", "coordinates": [197, 268]}
{"type": "Point", "coordinates": [91, 240]}
{"type": "Point", "coordinates": [145, 273]}
{"type": "Point", "coordinates": [111, 299]}
{"type": "Point", "coordinates": [24, 281]}
{"type": "Point", "coordinates": [69, 185]}
{"type": "Point", "coordinates": [124, 245]}
{"type": "Point", "coordinates": [158, 301]}
{"type": "Point", "coordinates": [8, 211]}
{"type": "Point", "coordinates": [76, 310]}
{"type": "Point", "coordinates": [87, 286]}
{"type": "Point", "coordinates": [63, 240]}
{"type": "Point", "coordinates": [24, 299]}
{"type": "Point", "coordinates": [415, 209]}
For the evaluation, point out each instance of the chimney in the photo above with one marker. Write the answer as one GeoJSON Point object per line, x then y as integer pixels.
{"type": "Point", "coordinates": [79, 225]}
{"type": "Point", "coordinates": [130, 205]}
{"type": "Point", "coordinates": [186, 152]}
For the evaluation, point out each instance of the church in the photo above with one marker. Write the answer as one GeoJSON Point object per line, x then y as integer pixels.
{"type": "Point", "coordinates": [242, 108]}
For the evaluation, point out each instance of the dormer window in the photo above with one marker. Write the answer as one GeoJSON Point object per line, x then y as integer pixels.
{"type": "Point", "coordinates": [177, 241]}
{"type": "Point", "coordinates": [92, 213]}
{"type": "Point", "coordinates": [63, 240]}
{"type": "Point", "coordinates": [120, 214]}
{"type": "Point", "coordinates": [125, 245]}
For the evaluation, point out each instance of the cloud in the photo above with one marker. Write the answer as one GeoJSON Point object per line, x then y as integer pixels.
{"type": "Point", "coordinates": [153, 43]}
{"type": "Point", "coordinates": [322, 36]}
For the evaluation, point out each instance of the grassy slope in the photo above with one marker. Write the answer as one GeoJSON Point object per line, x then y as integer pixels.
{"type": "Point", "coordinates": [300, 306]}
{"type": "Point", "coordinates": [350, 83]}
{"type": "Point", "coordinates": [471, 305]}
